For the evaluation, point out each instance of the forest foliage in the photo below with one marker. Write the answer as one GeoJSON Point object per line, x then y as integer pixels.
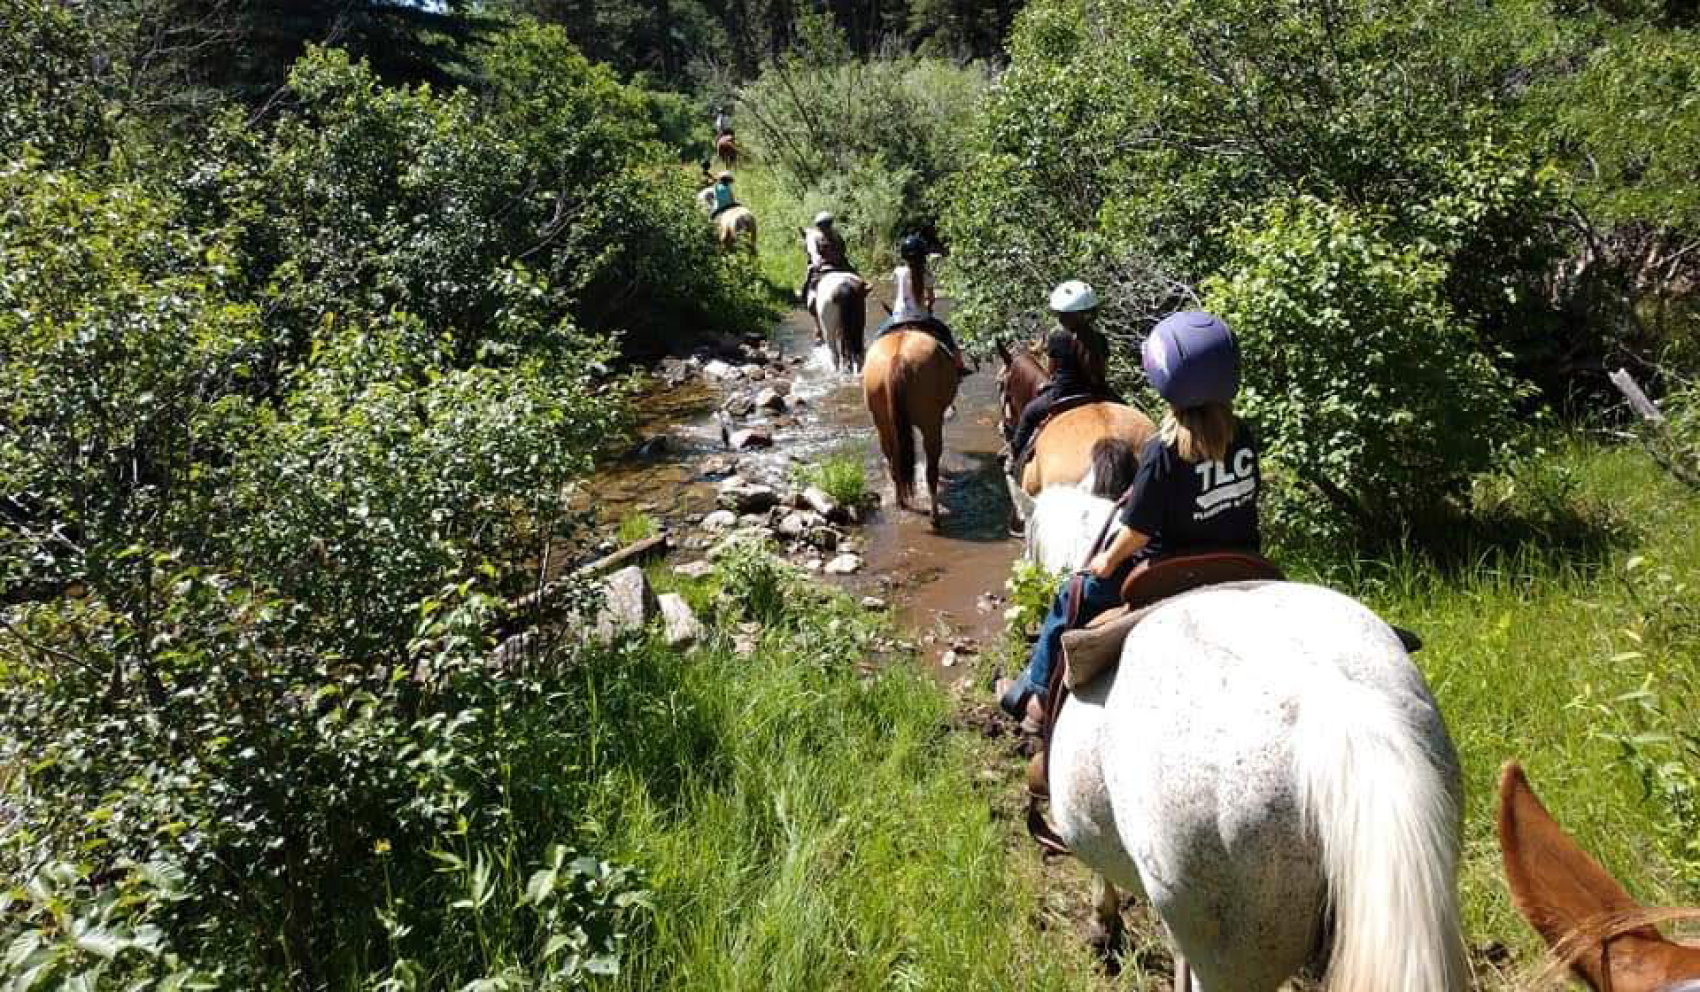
{"type": "Point", "coordinates": [1337, 176]}
{"type": "Point", "coordinates": [289, 398]}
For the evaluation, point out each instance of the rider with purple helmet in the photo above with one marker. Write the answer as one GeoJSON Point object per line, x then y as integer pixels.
{"type": "Point", "coordinates": [1196, 489]}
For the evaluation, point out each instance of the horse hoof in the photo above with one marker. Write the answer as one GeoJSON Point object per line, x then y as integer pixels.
{"type": "Point", "coordinates": [1107, 941]}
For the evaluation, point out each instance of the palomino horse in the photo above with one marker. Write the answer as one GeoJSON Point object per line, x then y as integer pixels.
{"type": "Point", "coordinates": [840, 309]}
{"type": "Point", "coordinates": [1594, 927]}
{"type": "Point", "coordinates": [727, 150]}
{"type": "Point", "coordinates": [1268, 768]}
{"type": "Point", "coordinates": [1063, 451]}
{"type": "Point", "coordinates": [909, 381]}
{"type": "Point", "coordinates": [733, 225]}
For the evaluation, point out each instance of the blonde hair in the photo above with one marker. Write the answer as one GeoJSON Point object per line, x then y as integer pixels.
{"type": "Point", "coordinates": [1200, 433]}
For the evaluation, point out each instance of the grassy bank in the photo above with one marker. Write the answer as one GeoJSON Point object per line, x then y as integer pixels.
{"type": "Point", "coordinates": [804, 820]}
{"type": "Point", "coordinates": [1561, 632]}
{"type": "Point", "coordinates": [824, 829]}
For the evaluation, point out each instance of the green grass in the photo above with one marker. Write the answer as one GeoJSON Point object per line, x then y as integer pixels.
{"type": "Point", "coordinates": [805, 825]}
{"type": "Point", "coordinates": [843, 475]}
{"type": "Point", "coordinates": [1534, 639]}
{"type": "Point", "coordinates": [637, 526]}
{"type": "Point", "coordinates": [779, 215]}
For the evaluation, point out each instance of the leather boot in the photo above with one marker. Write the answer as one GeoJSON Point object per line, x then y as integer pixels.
{"type": "Point", "coordinates": [1038, 779]}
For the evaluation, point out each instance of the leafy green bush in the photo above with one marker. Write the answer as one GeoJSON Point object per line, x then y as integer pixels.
{"type": "Point", "coordinates": [1031, 590]}
{"type": "Point", "coordinates": [870, 140]}
{"type": "Point", "coordinates": [1128, 139]}
{"type": "Point", "coordinates": [755, 583]}
{"type": "Point", "coordinates": [113, 346]}
{"type": "Point", "coordinates": [48, 99]}
{"type": "Point", "coordinates": [1366, 386]}
{"type": "Point", "coordinates": [546, 192]}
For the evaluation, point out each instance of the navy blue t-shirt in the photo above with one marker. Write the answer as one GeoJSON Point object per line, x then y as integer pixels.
{"type": "Point", "coordinates": [1185, 506]}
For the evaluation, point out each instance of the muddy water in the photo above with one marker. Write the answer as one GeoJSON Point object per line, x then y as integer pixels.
{"type": "Point", "coordinates": [935, 581]}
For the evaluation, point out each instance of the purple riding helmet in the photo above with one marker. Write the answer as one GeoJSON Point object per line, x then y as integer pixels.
{"type": "Point", "coordinates": [1192, 359]}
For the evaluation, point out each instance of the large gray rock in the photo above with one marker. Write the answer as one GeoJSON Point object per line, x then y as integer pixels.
{"type": "Point", "coordinates": [738, 494]}
{"type": "Point", "coordinates": [695, 569]}
{"type": "Point", "coordinates": [798, 523]}
{"type": "Point", "coordinates": [627, 603]}
{"type": "Point", "coordinates": [679, 621]}
{"type": "Point", "coordinates": [770, 399]}
{"type": "Point", "coordinates": [718, 371]}
{"type": "Point", "coordinates": [843, 565]}
{"type": "Point", "coordinates": [817, 500]}
{"type": "Point", "coordinates": [720, 520]}
{"type": "Point", "coordinates": [739, 404]}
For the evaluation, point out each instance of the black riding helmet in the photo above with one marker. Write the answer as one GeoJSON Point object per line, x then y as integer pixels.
{"type": "Point", "coordinates": [912, 248]}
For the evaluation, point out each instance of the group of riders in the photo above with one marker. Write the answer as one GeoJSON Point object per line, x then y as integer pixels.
{"type": "Point", "coordinates": [1196, 486]}
{"type": "Point", "coordinates": [1197, 481]}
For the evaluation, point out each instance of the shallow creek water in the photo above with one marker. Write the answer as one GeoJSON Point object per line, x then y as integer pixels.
{"type": "Point", "coordinates": [935, 581]}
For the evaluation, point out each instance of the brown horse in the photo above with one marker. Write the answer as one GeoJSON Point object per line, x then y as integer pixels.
{"type": "Point", "coordinates": [1062, 453]}
{"type": "Point", "coordinates": [1594, 927]}
{"type": "Point", "coordinates": [736, 224]}
{"type": "Point", "coordinates": [727, 150]}
{"type": "Point", "coordinates": [909, 381]}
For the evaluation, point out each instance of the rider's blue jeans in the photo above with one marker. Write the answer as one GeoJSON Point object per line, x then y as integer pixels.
{"type": "Point", "coordinates": [1097, 595]}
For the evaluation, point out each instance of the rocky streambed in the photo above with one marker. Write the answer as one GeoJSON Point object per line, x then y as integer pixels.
{"type": "Point", "coordinates": [722, 436]}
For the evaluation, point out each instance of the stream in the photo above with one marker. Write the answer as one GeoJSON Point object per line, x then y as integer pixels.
{"type": "Point", "coordinates": [945, 588]}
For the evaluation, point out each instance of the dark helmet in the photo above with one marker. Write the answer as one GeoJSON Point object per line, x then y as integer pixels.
{"type": "Point", "coordinates": [913, 246]}
{"type": "Point", "coordinates": [1192, 359]}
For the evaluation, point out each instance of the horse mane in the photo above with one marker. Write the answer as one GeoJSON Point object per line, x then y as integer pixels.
{"type": "Point", "coordinates": [1021, 379]}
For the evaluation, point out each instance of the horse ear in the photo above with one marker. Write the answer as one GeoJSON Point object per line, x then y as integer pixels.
{"type": "Point", "coordinates": [1002, 350]}
{"type": "Point", "coordinates": [1555, 884]}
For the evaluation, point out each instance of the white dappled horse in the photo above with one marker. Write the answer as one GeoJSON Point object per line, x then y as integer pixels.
{"type": "Point", "coordinates": [839, 305]}
{"type": "Point", "coordinates": [1062, 525]}
{"type": "Point", "coordinates": [1269, 769]}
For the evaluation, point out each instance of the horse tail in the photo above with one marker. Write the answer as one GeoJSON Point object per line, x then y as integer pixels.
{"type": "Point", "coordinates": [903, 443]}
{"type": "Point", "coordinates": [1373, 789]}
{"type": "Point", "coordinates": [854, 308]}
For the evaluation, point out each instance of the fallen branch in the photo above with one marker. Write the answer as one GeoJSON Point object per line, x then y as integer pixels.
{"type": "Point", "coordinates": [537, 607]}
{"type": "Point", "coordinates": [1655, 437]}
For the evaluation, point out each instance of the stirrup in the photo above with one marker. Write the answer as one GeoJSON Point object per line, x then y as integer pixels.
{"type": "Point", "coordinates": [1043, 834]}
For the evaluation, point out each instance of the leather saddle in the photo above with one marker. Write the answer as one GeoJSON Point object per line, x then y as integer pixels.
{"type": "Point", "coordinates": [1148, 586]}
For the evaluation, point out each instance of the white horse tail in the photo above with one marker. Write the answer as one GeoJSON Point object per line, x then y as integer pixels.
{"type": "Point", "coordinates": [1373, 788]}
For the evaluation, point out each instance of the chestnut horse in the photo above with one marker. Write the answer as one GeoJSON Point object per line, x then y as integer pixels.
{"type": "Point", "coordinates": [1593, 926]}
{"type": "Point", "coordinates": [735, 224]}
{"type": "Point", "coordinates": [909, 381]}
{"type": "Point", "coordinates": [1062, 452]}
{"type": "Point", "coordinates": [727, 150]}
